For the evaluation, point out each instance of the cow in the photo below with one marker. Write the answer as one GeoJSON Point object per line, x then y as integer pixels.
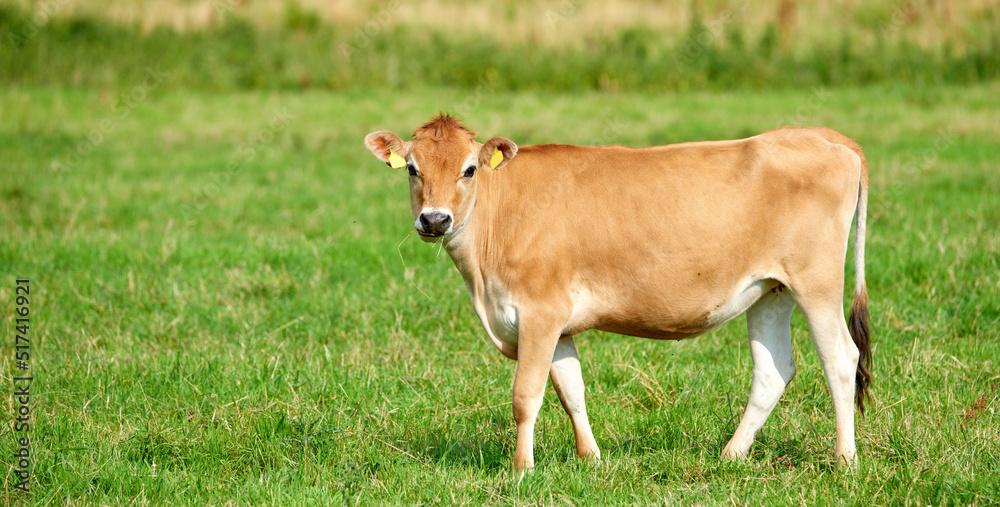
{"type": "Point", "coordinates": [663, 242]}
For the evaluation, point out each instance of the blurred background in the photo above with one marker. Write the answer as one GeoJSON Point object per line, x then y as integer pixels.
{"type": "Point", "coordinates": [514, 44]}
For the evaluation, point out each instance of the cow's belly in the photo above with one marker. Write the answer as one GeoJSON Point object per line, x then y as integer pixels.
{"type": "Point", "coordinates": [643, 315]}
{"type": "Point", "coordinates": [656, 316]}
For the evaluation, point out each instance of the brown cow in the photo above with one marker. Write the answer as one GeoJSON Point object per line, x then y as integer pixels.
{"type": "Point", "coordinates": [665, 242]}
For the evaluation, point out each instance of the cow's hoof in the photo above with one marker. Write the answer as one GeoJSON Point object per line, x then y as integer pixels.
{"type": "Point", "coordinates": [729, 454]}
{"type": "Point", "coordinates": [520, 472]}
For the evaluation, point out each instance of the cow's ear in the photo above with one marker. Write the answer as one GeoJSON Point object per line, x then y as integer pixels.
{"type": "Point", "coordinates": [387, 147]}
{"type": "Point", "coordinates": [497, 152]}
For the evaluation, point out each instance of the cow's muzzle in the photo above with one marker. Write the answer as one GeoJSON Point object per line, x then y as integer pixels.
{"type": "Point", "coordinates": [433, 224]}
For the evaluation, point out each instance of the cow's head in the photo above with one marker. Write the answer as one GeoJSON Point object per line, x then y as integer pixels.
{"type": "Point", "coordinates": [442, 159]}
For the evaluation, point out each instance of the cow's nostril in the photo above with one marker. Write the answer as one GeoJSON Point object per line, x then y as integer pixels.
{"type": "Point", "coordinates": [435, 223]}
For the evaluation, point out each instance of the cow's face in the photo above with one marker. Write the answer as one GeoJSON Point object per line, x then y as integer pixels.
{"type": "Point", "coordinates": [443, 161]}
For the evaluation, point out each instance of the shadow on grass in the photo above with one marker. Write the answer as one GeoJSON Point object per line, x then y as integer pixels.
{"type": "Point", "coordinates": [667, 439]}
{"type": "Point", "coordinates": [463, 448]}
{"type": "Point", "coordinates": [484, 441]}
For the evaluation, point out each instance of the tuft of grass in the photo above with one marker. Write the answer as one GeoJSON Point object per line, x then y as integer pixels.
{"type": "Point", "coordinates": [216, 328]}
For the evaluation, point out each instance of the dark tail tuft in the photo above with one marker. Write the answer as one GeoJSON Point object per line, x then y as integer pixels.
{"type": "Point", "coordinates": [858, 325]}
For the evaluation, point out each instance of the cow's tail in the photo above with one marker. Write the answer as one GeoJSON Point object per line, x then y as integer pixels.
{"type": "Point", "coordinates": [858, 321]}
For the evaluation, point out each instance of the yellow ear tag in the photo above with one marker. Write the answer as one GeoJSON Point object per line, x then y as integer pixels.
{"type": "Point", "coordinates": [395, 161]}
{"type": "Point", "coordinates": [496, 158]}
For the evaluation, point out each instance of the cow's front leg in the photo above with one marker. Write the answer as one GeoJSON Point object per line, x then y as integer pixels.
{"type": "Point", "coordinates": [537, 338]}
{"type": "Point", "coordinates": [567, 378]}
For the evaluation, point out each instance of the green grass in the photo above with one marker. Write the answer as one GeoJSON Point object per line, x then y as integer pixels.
{"type": "Point", "coordinates": [388, 51]}
{"type": "Point", "coordinates": [253, 337]}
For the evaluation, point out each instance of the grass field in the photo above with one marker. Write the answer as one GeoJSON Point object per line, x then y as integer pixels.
{"type": "Point", "coordinates": [568, 45]}
{"type": "Point", "coordinates": [227, 309]}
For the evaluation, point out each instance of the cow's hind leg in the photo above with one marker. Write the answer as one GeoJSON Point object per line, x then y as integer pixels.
{"type": "Point", "coordinates": [568, 381]}
{"type": "Point", "coordinates": [839, 356]}
{"type": "Point", "coordinates": [768, 326]}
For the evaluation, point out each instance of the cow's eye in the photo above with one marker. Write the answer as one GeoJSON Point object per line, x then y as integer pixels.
{"type": "Point", "coordinates": [470, 171]}
{"type": "Point", "coordinates": [412, 169]}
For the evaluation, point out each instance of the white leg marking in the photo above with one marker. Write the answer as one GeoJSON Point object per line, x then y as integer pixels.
{"type": "Point", "coordinates": [568, 381]}
{"type": "Point", "coordinates": [839, 356]}
{"type": "Point", "coordinates": [768, 326]}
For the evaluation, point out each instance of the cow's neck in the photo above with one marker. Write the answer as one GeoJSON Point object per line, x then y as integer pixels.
{"type": "Point", "coordinates": [468, 246]}
{"type": "Point", "coordinates": [469, 250]}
